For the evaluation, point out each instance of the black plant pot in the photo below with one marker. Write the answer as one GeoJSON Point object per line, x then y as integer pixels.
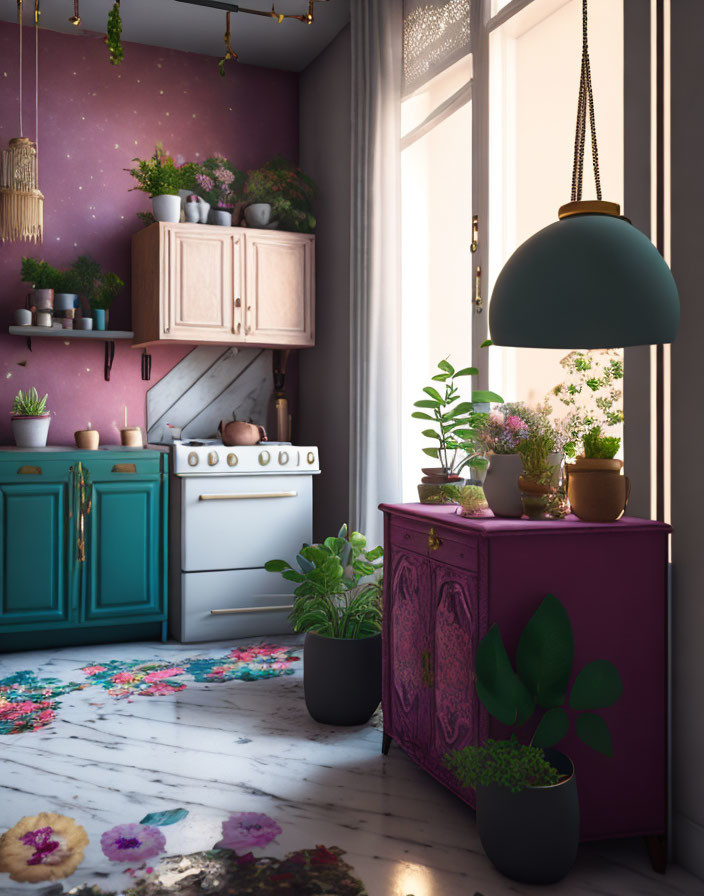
{"type": "Point", "coordinates": [342, 678]}
{"type": "Point", "coordinates": [532, 836]}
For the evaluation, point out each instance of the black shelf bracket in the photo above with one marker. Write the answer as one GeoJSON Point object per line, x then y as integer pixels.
{"type": "Point", "coordinates": [29, 343]}
{"type": "Point", "coordinates": [109, 357]}
{"type": "Point", "coordinates": [146, 365]}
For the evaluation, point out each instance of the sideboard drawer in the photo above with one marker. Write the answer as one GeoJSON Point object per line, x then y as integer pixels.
{"type": "Point", "coordinates": [438, 543]}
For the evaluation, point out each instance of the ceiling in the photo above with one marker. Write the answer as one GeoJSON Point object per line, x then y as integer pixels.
{"type": "Point", "coordinates": [179, 26]}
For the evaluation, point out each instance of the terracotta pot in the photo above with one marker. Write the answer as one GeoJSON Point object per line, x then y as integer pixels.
{"type": "Point", "coordinates": [597, 496]}
{"type": "Point", "coordinates": [131, 437]}
{"type": "Point", "coordinates": [87, 439]}
{"type": "Point", "coordinates": [237, 432]}
{"type": "Point", "coordinates": [41, 299]}
{"type": "Point", "coordinates": [597, 463]}
{"type": "Point", "coordinates": [530, 487]}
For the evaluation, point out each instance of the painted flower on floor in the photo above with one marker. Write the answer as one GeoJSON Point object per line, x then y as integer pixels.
{"type": "Point", "coordinates": [42, 847]}
{"type": "Point", "coordinates": [244, 830]}
{"type": "Point", "coordinates": [132, 842]}
{"type": "Point", "coordinates": [246, 664]}
{"type": "Point", "coordinates": [28, 703]}
{"type": "Point", "coordinates": [129, 678]}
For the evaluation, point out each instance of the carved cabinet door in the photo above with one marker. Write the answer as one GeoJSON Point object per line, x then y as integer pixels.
{"type": "Point", "coordinates": [456, 631]}
{"type": "Point", "coordinates": [410, 644]}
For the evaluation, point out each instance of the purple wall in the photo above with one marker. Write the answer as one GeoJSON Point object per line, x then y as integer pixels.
{"type": "Point", "coordinates": [93, 119]}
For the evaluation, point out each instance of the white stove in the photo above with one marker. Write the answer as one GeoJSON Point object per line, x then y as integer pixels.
{"type": "Point", "coordinates": [232, 509]}
{"type": "Point", "coordinates": [206, 457]}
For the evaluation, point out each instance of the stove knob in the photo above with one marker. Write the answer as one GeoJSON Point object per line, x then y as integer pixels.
{"type": "Point", "coordinates": [232, 459]}
{"type": "Point", "coordinates": [283, 458]}
{"type": "Point", "coordinates": [193, 459]}
{"type": "Point", "coordinates": [264, 458]}
{"type": "Point", "coordinates": [310, 457]}
{"type": "Point", "coordinates": [212, 458]}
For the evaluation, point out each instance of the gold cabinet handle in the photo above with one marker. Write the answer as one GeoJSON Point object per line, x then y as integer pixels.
{"type": "Point", "coordinates": [28, 470]}
{"type": "Point", "coordinates": [433, 541]}
{"type": "Point", "coordinates": [124, 468]}
{"type": "Point", "coordinates": [246, 496]}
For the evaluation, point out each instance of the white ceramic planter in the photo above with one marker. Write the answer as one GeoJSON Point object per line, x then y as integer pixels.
{"type": "Point", "coordinates": [191, 212]}
{"type": "Point", "coordinates": [167, 208]}
{"type": "Point", "coordinates": [23, 317]}
{"type": "Point", "coordinates": [65, 301]}
{"type": "Point", "coordinates": [218, 216]}
{"type": "Point", "coordinates": [31, 432]}
{"type": "Point", "coordinates": [204, 208]}
{"type": "Point", "coordinates": [258, 214]}
{"type": "Point", "coordinates": [501, 485]}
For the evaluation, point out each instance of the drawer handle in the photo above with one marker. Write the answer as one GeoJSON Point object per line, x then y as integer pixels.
{"type": "Point", "coordinates": [236, 610]}
{"type": "Point", "coordinates": [433, 541]}
{"type": "Point", "coordinates": [28, 470]}
{"type": "Point", "coordinates": [124, 468]}
{"type": "Point", "coordinates": [246, 496]}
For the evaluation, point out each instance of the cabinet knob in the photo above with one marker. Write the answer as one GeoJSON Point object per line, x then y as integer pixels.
{"type": "Point", "coordinates": [264, 458]}
{"type": "Point", "coordinates": [283, 458]}
{"type": "Point", "coordinates": [433, 541]}
{"type": "Point", "coordinates": [238, 303]}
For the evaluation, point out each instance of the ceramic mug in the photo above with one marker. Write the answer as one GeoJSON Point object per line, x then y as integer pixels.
{"type": "Point", "coordinates": [85, 323]}
{"type": "Point", "coordinates": [87, 439]}
{"type": "Point", "coordinates": [44, 319]}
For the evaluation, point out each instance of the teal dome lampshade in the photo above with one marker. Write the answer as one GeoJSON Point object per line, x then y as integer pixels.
{"type": "Point", "coordinates": [590, 280]}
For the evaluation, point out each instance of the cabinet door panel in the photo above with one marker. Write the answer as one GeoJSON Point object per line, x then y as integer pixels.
{"type": "Point", "coordinates": [411, 651]}
{"type": "Point", "coordinates": [204, 269]}
{"type": "Point", "coordinates": [456, 633]}
{"type": "Point", "coordinates": [123, 555]}
{"type": "Point", "coordinates": [34, 578]}
{"type": "Point", "coordinates": [279, 289]}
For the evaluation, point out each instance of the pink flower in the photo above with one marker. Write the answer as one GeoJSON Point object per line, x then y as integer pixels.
{"type": "Point", "coordinates": [164, 673]}
{"type": "Point", "coordinates": [516, 423]}
{"type": "Point", "coordinates": [248, 829]}
{"type": "Point", "coordinates": [132, 842]}
{"type": "Point", "coordinates": [204, 182]}
{"type": "Point", "coordinates": [160, 689]}
{"type": "Point", "coordinates": [93, 670]}
{"type": "Point", "coordinates": [123, 677]}
{"type": "Point", "coordinates": [224, 175]}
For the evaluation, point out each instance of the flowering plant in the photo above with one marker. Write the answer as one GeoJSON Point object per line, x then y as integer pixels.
{"type": "Point", "coordinates": [219, 182]}
{"type": "Point", "coordinates": [160, 176]}
{"type": "Point", "coordinates": [288, 190]}
{"type": "Point", "coordinates": [512, 423]}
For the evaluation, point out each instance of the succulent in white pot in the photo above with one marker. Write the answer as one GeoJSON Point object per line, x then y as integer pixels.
{"type": "Point", "coordinates": [30, 419]}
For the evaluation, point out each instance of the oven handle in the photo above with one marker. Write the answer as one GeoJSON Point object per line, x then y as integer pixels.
{"type": "Point", "coordinates": [235, 610]}
{"type": "Point", "coordinates": [246, 496]}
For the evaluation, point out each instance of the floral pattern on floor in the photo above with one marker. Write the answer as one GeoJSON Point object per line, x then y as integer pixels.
{"type": "Point", "coordinates": [222, 872]}
{"type": "Point", "coordinates": [28, 703]}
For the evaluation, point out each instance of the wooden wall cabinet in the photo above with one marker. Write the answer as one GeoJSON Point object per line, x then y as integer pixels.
{"type": "Point", "coordinates": [200, 283]}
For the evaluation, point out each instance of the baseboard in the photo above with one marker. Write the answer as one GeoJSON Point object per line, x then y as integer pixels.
{"type": "Point", "coordinates": [689, 844]}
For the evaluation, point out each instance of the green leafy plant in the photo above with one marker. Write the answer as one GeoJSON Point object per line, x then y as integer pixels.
{"type": "Point", "coordinates": [591, 393]}
{"type": "Point", "coordinates": [98, 288]}
{"type": "Point", "coordinates": [535, 451]}
{"type": "Point", "coordinates": [456, 422]}
{"type": "Point", "coordinates": [43, 276]}
{"type": "Point", "coordinates": [338, 593]}
{"type": "Point", "coordinates": [598, 446]}
{"type": "Point", "coordinates": [507, 763]}
{"type": "Point", "coordinates": [540, 683]}
{"type": "Point", "coordinates": [288, 190]}
{"type": "Point", "coordinates": [160, 176]}
{"type": "Point", "coordinates": [114, 35]}
{"type": "Point", "coordinates": [29, 404]}
{"type": "Point", "coordinates": [471, 498]}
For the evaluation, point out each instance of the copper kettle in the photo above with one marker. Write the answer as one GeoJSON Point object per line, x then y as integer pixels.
{"type": "Point", "coordinates": [237, 432]}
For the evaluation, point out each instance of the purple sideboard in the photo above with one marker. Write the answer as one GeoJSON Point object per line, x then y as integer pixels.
{"type": "Point", "coordinates": [447, 579]}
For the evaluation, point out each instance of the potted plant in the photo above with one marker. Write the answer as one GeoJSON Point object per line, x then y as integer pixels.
{"type": "Point", "coordinates": [596, 489]}
{"type": "Point", "coordinates": [454, 433]}
{"type": "Point", "coordinates": [470, 498]}
{"type": "Point", "coordinates": [338, 605]}
{"type": "Point", "coordinates": [220, 184]}
{"type": "Point", "coordinates": [97, 287]}
{"type": "Point", "coordinates": [30, 419]}
{"type": "Point", "coordinates": [537, 479]}
{"type": "Point", "coordinates": [527, 801]}
{"type": "Point", "coordinates": [501, 436]}
{"type": "Point", "coordinates": [287, 191]}
{"type": "Point", "coordinates": [162, 179]}
{"type": "Point", "coordinates": [42, 277]}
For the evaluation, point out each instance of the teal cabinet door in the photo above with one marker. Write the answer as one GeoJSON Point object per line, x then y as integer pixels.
{"type": "Point", "coordinates": [34, 561]}
{"type": "Point", "coordinates": [123, 553]}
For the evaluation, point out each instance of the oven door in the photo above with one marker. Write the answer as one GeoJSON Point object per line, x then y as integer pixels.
{"type": "Point", "coordinates": [240, 522]}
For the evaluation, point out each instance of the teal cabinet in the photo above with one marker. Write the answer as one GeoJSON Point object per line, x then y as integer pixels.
{"type": "Point", "coordinates": [35, 571]}
{"type": "Point", "coordinates": [123, 551]}
{"type": "Point", "coordinates": [84, 546]}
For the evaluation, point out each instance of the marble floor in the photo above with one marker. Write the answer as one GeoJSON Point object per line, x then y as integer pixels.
{"type": "Point", "coordinates": [249, 746]}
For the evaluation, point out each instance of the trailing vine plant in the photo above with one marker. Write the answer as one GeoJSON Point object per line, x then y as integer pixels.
{"type": "Point", "coordinates": [114, 33]}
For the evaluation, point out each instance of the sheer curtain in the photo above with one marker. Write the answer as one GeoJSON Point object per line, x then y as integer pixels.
{"type": "Point", "coordinates": [375, 317]}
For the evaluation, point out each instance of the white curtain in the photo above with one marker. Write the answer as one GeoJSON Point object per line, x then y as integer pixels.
{"type": "Point", "coordinates": [375, 315]}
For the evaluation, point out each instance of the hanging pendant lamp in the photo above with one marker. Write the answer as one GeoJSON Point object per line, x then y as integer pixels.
{"type": "Point", "coordinates": [21, 202]}
{"type": "Point", "coordinates": [591, 279]}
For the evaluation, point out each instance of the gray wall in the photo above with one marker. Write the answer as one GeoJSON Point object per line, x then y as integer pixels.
{"type": "Point", "coordinates": [688, 434]}
{"type": "Point", "coordinates": [324, 384]}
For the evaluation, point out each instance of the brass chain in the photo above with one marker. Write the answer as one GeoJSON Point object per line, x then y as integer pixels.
{"type": "Point", "coordinates": [585, 103]}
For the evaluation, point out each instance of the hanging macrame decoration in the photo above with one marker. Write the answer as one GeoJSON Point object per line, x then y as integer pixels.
{"type": "Point", "coordinates": [21, 202]}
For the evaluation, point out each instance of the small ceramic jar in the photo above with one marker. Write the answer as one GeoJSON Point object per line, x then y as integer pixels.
{"type": "Point", "coordinates": [87, 439]}
{"type": "Point", "coordinates": [23, 317]}
{"type": "Point", "coordinates": [85, 323]}
{"type": "Point", "coordinates": [44, 319]}
{"type": "Point", "coordinates": [67, 323]}
{"type": "Point", "coordinates": [131, 437]}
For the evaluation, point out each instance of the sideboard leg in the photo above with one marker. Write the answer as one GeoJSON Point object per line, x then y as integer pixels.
{"type": "Point", "coordinates": [657, 852]}
{"type": "Point", "coordinates": [386, 743]}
